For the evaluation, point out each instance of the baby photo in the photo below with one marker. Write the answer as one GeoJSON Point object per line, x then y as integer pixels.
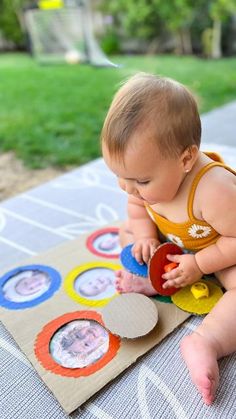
{"type": "Point", "coordinates": [107, 243]}
{"type": "Point", "coordinates": [26, 286]}
{"type": "Point", "coordinates": [79, 343]}
{"type": "Point", "coordinates": [96, 284]}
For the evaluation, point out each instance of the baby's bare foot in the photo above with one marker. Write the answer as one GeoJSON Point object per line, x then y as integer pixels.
{"type": "Point", "coordinates": [128, 282]}
{"type": "Point", "coordinates": [200, 356]}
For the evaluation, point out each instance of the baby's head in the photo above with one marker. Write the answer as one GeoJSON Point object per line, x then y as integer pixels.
{"type": "Point", "coordinates": [163, 109]}
{"type": "Point", "coordinates": [109, 243]}
{"type": "Point", "coordinates": [95, 286]}
{"type": "Point", "coordinates": [84, 340]}
{"type": "Point", "coordinates": [32, 284]}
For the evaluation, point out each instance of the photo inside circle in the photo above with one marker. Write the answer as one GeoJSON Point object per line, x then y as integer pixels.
{"type": "Point", "coordinates": [79, 343]}
{"type": "Point", "coordinates": [26, 286]}
{"type": "Point", "coordinates": [107, 243]}
{"type": "Point", "coordinates": [96, 284]}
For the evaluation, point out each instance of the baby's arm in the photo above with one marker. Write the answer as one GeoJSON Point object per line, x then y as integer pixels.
{"type": "Point", "coordinates": [218, 209]}
{"type": "Point", "coordinates": [222, 217]}
{"type": "Point", "coordinates": [143, 229]}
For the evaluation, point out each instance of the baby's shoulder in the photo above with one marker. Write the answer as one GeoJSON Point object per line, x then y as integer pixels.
{"type": "Point", "coordinates": [217, 177]}
{"type": "Point", "coordinates": [217, 184]}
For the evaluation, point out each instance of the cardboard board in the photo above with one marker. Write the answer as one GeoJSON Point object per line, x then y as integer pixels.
{"type": "Point", "coordinates": [122, 315]}
{"type": "Point", "coordinates": [33, 325]}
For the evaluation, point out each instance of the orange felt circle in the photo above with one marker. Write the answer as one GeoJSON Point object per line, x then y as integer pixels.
{"type": "Point", "coordinates": [170, 266]}
{"type": "Point", "coordinates": [41, 347]}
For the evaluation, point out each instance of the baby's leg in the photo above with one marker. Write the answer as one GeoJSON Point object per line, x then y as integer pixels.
{"type": "Point", "coordinates": [125, 234]}
{"type": "Point", "coordinates": [125, 281]}
{"type": "Point", "coordinates": [213, 339]}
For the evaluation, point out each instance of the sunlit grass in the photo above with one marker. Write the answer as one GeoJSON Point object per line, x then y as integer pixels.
{"type": "Point", "coordinates": [52, 115]}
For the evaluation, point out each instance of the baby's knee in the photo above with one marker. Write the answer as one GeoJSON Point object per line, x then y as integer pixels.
{"type": "Point", "coordinates": [227, 277]}
{"type": "Point", "coordinates": [125, 234]}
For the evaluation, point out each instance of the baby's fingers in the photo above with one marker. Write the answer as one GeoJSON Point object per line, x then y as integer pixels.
{"type": "Point", "coordinates": [137, 253]}
{"type": "Point", "coordinates": [174, 258]}
{"type": "Point", "coordinates": [153, 248]}
{"type": "Point", "coordinates": [172, 283]}
{"type": "Point", "coordinates": [146, 252]}
{"type": "Point", "coordinates": [173, 274]}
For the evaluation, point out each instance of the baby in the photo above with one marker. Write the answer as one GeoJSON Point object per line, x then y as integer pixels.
{"type": "Point", "coordinates": [26, 286]}
{"type": "Point", "coordinates": [150, 140]}
{"type": "Point", "coordinates": [79, 344]}
{"type": "Point", "coordinates": [110, 242]}
{"type": "Point", "coordinates": [95, 286]}
{"type": "Point", "coordinates": [84, 340]}
{"type": "Point", "coordinates": [29, 285]}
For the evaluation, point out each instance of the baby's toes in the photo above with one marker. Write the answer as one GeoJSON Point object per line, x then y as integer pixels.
{"type": "Point", "coordinates": [118, 274]}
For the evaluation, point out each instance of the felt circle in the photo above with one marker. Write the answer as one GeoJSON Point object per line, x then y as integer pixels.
{"type": "Point", "coordinates": [130, 263]}
{"type": "Point", "coordinates": [130, 315]}
{"type": "Point", "coordinates": [185, 300]}
{"type": "Point", "coordinates": [55, 282]}
{"type": "Point", "coordinates": [42, 343]}
{"type": "Point", "coordinates": [163, 298]}
{"type": "Point", "coordinates": [73, 275]}
{"type": "Point", "coordinates": [94, 236]}
{"type": "Point", "coordinates": [156, 267]}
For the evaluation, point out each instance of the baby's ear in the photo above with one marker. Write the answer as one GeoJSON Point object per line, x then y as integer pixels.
{"type": "Point", "coordinates": [189, 157]}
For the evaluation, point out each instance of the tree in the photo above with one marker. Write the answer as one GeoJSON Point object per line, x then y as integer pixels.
{"type": "Point", "coordinates": [220, 10]}
{"type": "Point", "coordinates": [148, 18]}
{"type": "Point", "coordinates": [178, 16]}
{"type": "Point", "coordinates": [136, 17]}
{"type": "Point", "coordinates": [11, 20]}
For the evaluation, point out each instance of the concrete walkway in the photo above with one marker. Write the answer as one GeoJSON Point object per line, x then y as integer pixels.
{"type": "Point", "coordinates": [219, 125]}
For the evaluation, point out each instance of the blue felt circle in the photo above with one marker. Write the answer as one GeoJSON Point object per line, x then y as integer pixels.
{"type": "Point", "coordinates": [55, 282]}
{"type": "Point", "coordinates": [130, 263]}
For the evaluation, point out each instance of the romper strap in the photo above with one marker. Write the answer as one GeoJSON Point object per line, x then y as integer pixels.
{"type": "Point", "coordinates": [196, 181]}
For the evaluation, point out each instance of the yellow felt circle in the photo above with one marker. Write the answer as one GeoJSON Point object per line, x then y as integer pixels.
{"type": "Point", "coordinates": [73, 275]}
{"type": "Point", "coordinates": [185, 300]}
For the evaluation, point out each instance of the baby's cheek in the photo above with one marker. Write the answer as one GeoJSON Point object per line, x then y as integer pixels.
{"type": "Point", "coordinates": [121, 184]}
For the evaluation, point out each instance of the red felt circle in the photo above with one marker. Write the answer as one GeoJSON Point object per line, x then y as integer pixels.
{"type": "Point", "coordinates": [95, 235]}
{"type": "Point", "coordinates": [156, 267]}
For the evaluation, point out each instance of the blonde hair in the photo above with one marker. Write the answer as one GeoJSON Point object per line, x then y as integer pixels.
{"type": "Point", "coordinates": [157, 104]}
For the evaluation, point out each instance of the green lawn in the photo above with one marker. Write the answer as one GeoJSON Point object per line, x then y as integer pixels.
{"type": "Point", "coordinates": [52, 115]}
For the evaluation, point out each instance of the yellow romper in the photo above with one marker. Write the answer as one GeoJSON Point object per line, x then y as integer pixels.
{"type": "Point", "coordinates": [193, 234]}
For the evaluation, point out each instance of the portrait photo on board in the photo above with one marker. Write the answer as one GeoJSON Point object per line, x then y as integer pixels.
{"type": "Point", "coordinates": [105, 242]}
{"type": "Point", "coordinates": [96, 283]}
{"type": "Point", "coordinates": [79, 343]}
{"type": "Point", "coordinates": [26, 286]}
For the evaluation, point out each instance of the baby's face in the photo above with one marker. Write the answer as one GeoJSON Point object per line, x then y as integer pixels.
{"type": "Point", "coordinates": [86, 340]}
{"type": "Point", "coordinates": [144, 173]}
{"type": "Point", "coordinates": [109, 243]}
{"type": "Point", "coordinates": [31, 285]}
{"type": "Point", "coordinates": [95, 285]}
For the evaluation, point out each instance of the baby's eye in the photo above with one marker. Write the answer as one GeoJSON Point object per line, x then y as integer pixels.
{"type": "Point", "coordinates": [142, 182]}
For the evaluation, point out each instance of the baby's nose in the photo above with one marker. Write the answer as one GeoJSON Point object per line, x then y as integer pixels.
{"type": "Point", "coordinates": [131, 189]}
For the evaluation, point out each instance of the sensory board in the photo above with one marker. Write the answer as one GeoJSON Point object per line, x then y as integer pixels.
{"type": "Point", "coordinates": [53, 306]}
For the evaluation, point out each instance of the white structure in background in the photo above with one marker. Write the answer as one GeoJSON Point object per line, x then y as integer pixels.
{"type": "Point", "coordinates": [64, 34]}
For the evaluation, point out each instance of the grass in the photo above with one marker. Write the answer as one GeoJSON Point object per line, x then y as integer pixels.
{"type": "Point", "coordinates": [52, 115]}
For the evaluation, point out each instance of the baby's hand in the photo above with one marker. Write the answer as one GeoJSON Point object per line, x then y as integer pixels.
{"type": "Point", "coordinates": [143, 249]}
{"type": "Point", "coordinates": [186, 273]}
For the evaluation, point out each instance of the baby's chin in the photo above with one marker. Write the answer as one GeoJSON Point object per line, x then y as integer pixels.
{"type": "Point", "coordinates": [150, 202]}
{"type": "Point", "coordinates": [26, 294]}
